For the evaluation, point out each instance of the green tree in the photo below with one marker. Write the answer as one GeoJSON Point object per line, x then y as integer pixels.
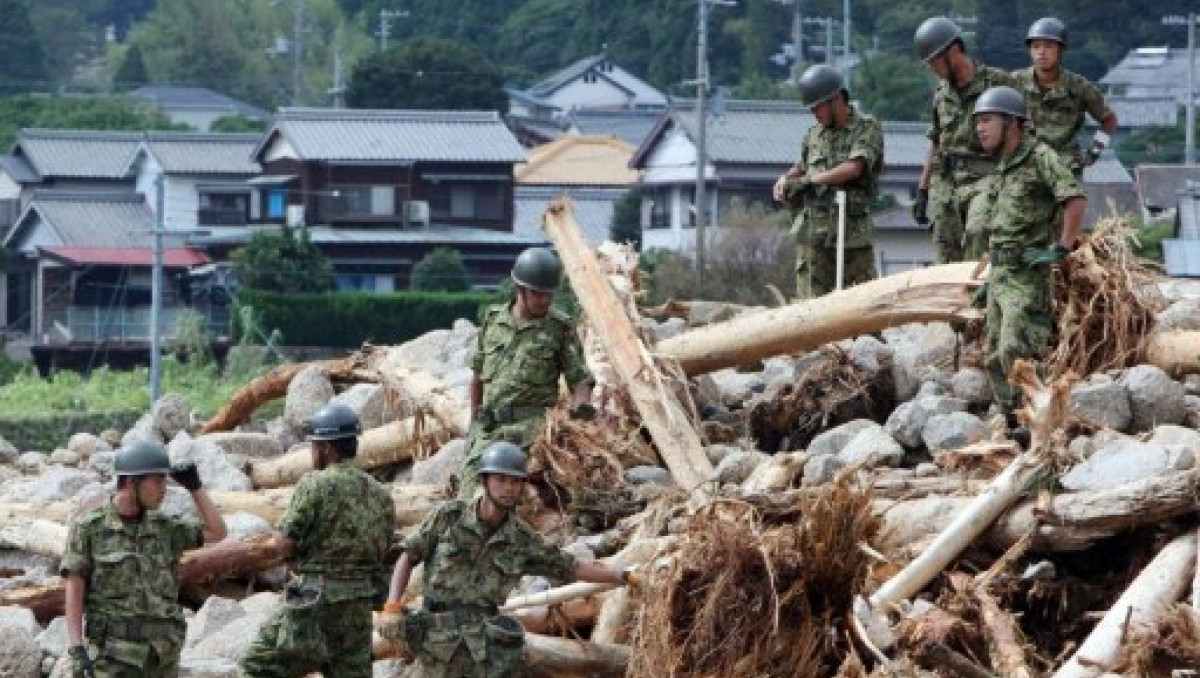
{"type": "Point", "coordinates": [238, 123]}
{"type": "Point", "coordinates": [22, 62]}
{"type": "Point", "coordinates": [1160, 145]}
{"type": "Point", "coordinates": [286, 262]}
{"type": "Point", "coordinates": [97, 113]}
{"type": "Point", "coordinates": [427, 73]}
{"type": "Point", "coordinates": [132, 73]}
{"type": "Point", "coordinates": [892, 87]}
{"type": "Point", "coordinates": [442, 270]}
{"type": "Point", "coordinates": [626, 223]}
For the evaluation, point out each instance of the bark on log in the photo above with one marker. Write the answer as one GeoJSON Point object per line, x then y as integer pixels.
{"type": "Point", "coordinates": [662, 414]}
{"type": "Point", "coordinates": [1160, 584]}
{"type": "Point", "coordinates": [380, 446]}
{"type": "Point", "coordinates": [936, 293]}
{"type": "Point", "coordinates": [934, 655]}
{"type": "Point", "coordinates": [570, 615]}
{"type": "Point", "coordinates": [35, 535]}
{"type": "Point", "coordinates": [999, 629]}
{"type": "Point", "coordinates": [557, 657]}
{"type": "Point", "coordinates": [412, 502]}
{"type": "Point", "coordinates": [426, 392]}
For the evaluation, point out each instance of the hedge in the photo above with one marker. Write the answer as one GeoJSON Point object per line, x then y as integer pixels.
{"type": "Point", "coordinates": [347, 319]}
{"type": "Point", "coordinates": [46, 432]}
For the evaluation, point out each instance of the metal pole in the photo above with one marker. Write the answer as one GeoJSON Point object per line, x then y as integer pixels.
{"type": "Point", "coordinates": [297, 30]}
{"type": "Point", "coordinates": [702, 124]}
{"type": "Point", "coordinates": [1189, 134]}
{"type": "Point", "coordinates": [840, 275]}
{"type": "Point", "coordinates": [156, 289]}
{"type": "Point", "coordinates": [829, 40]}
{"type": "Point", "coordinates": [384, 27]}
{"type": "Point", "coordinates": [846, 43]}
{"type": "Point", "coordinates": [798, 41]}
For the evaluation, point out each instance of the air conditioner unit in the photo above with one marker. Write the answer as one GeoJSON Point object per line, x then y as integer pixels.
{"type": "Point", "coordinates": [416, 212]}
{"type": "Point", "coordinates": [295, 215]}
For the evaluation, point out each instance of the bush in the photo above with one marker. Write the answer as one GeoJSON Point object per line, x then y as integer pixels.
{"type": "Point", "coordinates": [1147, 242]}
{"type": "Point", "coordinates": [283, 262]}
{"type": "Point", "coordinates": [442, 270]}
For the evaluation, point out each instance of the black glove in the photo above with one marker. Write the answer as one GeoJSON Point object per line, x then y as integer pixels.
{"type": "Point", "coordinates": [81, 662]}
{"type": "Point", "coordinates": [582, 412]}
{"type": "Point", "coordinates": [920, 207]}
{"type": "Point", "coordinates": [186, 475]}
{"type": "Point", "coordinates": [1033, 256]}
{"type": "Point", "coordinates": [979, 299]}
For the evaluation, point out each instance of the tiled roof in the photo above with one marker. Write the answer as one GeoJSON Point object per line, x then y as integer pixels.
{"type": "Point", "coordinates": [173, 257]}
{"type": "Point", "coordinates": [325, 235]}
{"type": "Point", "coordinates": [1107, 170]}
{"type": "Point", "coordinates": [1151, 71]}
{"type": "Point", "coordinates": [19, 169]}
{"type": "Point", "coordinates": [88, 218]}
{"type": "Point", "coordinates": [631, 126]}
{"type": "Point", "coordinates": [203, 153]}
{"type": "Point", "coordinates": [181, 99]}
{"type": "Point", "coordinates": [77, 153]}
{"type": "Point", "coordinates": [643, 93]}
{"type": "Point", "coordinates": [579, 160]}
{"type": "Point", "coordinates": [548, 85]}
{"type": "Point", "coordinates": [1138, 112]}
{"type": "Point", "coordinates": [592, 209]}
{"type": "Point", "coordinates": [395, 136]}
{"type": "Point", "coordinates": [1159, 185]}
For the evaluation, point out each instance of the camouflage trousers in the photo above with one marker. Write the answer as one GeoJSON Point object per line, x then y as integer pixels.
{"type": "Point", "coordinates": [333, 638]}
{"type": "Point", "coordinates": [1019, 324]}
{"type": "Point", "coordinates": [960, 215]}
{"type": "Point", "coordinates": [491, 647]}
{"type": "Point", "coordinates": [520, 433]}
{"type": "Point", "coordinates": [816, 268]}
{"type": "Point", "coordinates": [155, 657]}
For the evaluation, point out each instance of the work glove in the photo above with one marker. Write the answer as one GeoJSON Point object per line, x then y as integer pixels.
{"type": "Point", "coordinates": [582, 412]}
{"type": "Point", "coordinates": [81, 663]}
{"type": "Point", "coordinates": [979, 299]}
{"type": "Point", "coordinates": [389, 623]}
{"type": "Point", "coordinates": [920, 207]}
{"type": "Point", "coordinates": [795, 190]}
{"type": "Point", "coordinates": [1099, 143]}
{"type": "Point", "coordinates": [187, 475]}
{"type": "Point", "coordinates": [632, 578]}
{"type": "Point", "coordinates": [1034, 256]}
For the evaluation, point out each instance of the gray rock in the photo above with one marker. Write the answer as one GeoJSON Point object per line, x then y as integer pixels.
{"type": "Point", "coordinates": [1191, 382]}
{"type": "Point", "coordinates": [954, 430]}
{"type": "Point", "coordinates": [370, 402]}
{"type": "Point", "coordinates": [284, 435]}
{"type": "Point", "coordinates": [101, 463]}
{"type": "Point", "coordinates": [1080, 448]}
{"type": "Point", "coordinates": [833, 440]}
{"type": "Point", "coordinates": [142, 430]}
{"type": "Point", "coordinates": [244, 444]}
{"type": "Point", "coordinates": [228, 642]}
{"type": "Point", "coordinates": [647, 475]}
{"type": "Point", "coordinates": [872, 447]}
{"type": "Point", "coordinates": [971, 384]}
{"type": "Point", "coordinates": [56, 483]}
{"type": "Point", "coordinates": [907, 421]}
{"type": "Point", "coordinates": [1170, 434]}
{"type": "Point", "coordinates": [921, 352]}
{"type": "Point", "coordinates": [932, 388]}
{"type": "Point", "coordinates": [21, 618]}
{"type": "Point", "coordinates": [216, 470]}
{"type": "Point", "coordinates": [215, 614]}
{"type": "Point", "coordinates": [1155, 397]}
{"type": "Point", "coordinates": [1192, 418]}
{"type": "Point", "coordinates": [1103, 404]}
{"type": "Point", "coordinates": [170, 415]}
{"type": "Point", "coordinates": [64, 457]}
{"type": "Point", "coordinates": [54, 640]}
{"type": "Point", "coordinates": [717, 453]}
{"type": "Point", "coordinates": [1125, 461]}
{"type": "Point", "coordinates": [1184, 314]}
{"type": "Point", "coordinates": [871, 355]}
{"type": "Point", "coordinates": [242, 524]}
{"type": "Point", "coordinates": [738, 466]}
{"type": "Point", "coordinates": [438, 467]}
{"type": "Point", "coordinates": [20, 656]}
{"type": "Point", "coordinates": [31, 463]}
{"type": "Point", "coordinates": [86, 444]}
{"type": "Point", "coordinates": [734, 387]}
{"type": "Point", "coordinates": [821, 470]}
{"type": "Point", "coordinates": [8, 452]}
{"type": "Point", "coordinates": [438, 352]}
{"type": "Point", "coordinates": [308, 392]}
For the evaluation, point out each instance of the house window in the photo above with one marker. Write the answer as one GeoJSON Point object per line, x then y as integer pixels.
{"type": "Point", "coordinates": [365, 282]}
{"type": "Point", "coordinates": [467, 200]}
{"type": "Point", "coordinates": [660, 209]}
{"type": "Point", "coordinates": [359, 200]}
{"type": "Point", "coordinates": [223, 209]}
{"type": "Point", "coordinates": [743, 199]}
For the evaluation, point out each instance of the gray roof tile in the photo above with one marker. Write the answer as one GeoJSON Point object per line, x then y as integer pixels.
{"type": "Point", "coordinates": [18, 169]}
{"type": "Point", "coordinates": [630, 126]}
{"type": "Point", "coordinates": [201, 153]}
{"type": "Point", "coordinates": [77, 153]}
{"type": "Point", "coordinates": [395, 136]}
{"type": "Point", "coordinates": [89, 218]}
{"type": "Point", "coordinates": [1159, 185]}
{"type": "Point", "coordinates": [196, 99]}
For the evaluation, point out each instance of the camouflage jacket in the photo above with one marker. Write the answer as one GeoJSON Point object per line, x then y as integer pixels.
{"type": "Point", "coordinates": [467, 566]}
{"type": "Point", "coordinates": [130, 566]}
{"type": "Point", "coordinates": [826, 148]}
{"type": "Point", "coordinates": [953, 129]}
{"type": "Point", "coordinates": [519, 361]}
{"type": "Point", "coordinates": [1057, 112]}
{"type": "Point", "coordinates": [341, 519]}
{"type": "Point", "coordinates": [1028, 189]}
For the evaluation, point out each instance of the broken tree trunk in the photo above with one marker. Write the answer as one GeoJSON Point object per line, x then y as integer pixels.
{"type": "Point", "coordinates": [558, 658]}
{"type": "Point", "coordinates": [662, 414]}
{"type": "Point", "coordinates": [1160, 584]}
{"type": "Point", "coordinates": [413, 502]}
{"type": "Point", "coordinates": [380, 446]}
{"type": "Point", "coordinates": [924, 295]}
{"type": "Point", "coordinates": [426, 392]}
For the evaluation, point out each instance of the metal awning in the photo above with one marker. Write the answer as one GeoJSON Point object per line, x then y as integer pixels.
{"type": "Point", "coordinates": [272, 179]}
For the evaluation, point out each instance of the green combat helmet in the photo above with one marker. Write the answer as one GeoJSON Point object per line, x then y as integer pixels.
{"type": "Point", "coordinates": [819, 84]}
{"type": "Point", "coordinates": [141, 458]}
{"type": "Point", "coordinates": [1048, 28]}
{"type": "Point", "coordinates": [502, 458]}
{"type": "Point", "coordinates": [935, 35]}
{"type": "Point", "coordinates": [333, 422]}
{"type": "Point", "coordinates": [538, 269]}
{"type": "Point", "coordinates": [1003, 100]}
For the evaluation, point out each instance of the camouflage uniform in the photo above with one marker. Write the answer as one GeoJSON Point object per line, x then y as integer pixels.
{"type": "Point", "coordinates": [958, 185]}
{"type": "Point", "coordinates": [135, 624]}
{"type": "Point", "coordinates": [519, 362]}
{"type": "Point", "coordinates": [816, 224]}
{"type": "Point", "coordinates": [468, 575]}
{"type": "Point", "coordinates": [341, 520]}
{"type": "Point", "coordinates": [1057, 112]}
{"type": "Point", "coordinates": [1029, 189]}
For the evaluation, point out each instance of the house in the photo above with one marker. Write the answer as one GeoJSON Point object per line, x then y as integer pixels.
{"type": "Point", "coordinates": [593, 171]}
{"type": "Point", "coordinates": [379, 189]}
{"type": "Point", "coordinates": [15, 174]}
{"type": "Point", "coordinates": [1150, 73]}
{"type": "Point", "coordinates": [1181, 254]}
{"type": "Point", "coordinates": [76, 159]}
{"type": "Point", "coordinates": [594, 82]}
{"type": "Point", "coordinates": [1160, 186]}
{"type": "Point", "coordinates": [198, 107]}
{"type": "Point", "coordinates": [1109, 187]}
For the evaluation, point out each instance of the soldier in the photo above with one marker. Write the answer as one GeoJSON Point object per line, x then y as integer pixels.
{"type": "Point", "coordinates": [337, 531]}
{"type": "Point", "coordinates": [522, 348]}
{"type": "Point", "coordinates": [1057, 98]}
{"type": "Point", "coordinates": [475, 551]}
{"type": "Point", "coordinates": [121, 566]}
{"type": "Point", "coordinates": [956, 168]}
{"type": "Point", "coordinates": [843, 151]}
{"type": "Point", "coordinates": [1033, 183]}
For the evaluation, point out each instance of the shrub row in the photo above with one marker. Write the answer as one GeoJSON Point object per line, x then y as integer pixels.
{"type": "Point", "coordinates": [45, 432]}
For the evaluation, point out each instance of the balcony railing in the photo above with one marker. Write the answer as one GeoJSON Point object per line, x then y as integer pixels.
{"type": "Point", "coordinates": [221, 216]}
{"type": "Point", "coordinates": [104, 323]}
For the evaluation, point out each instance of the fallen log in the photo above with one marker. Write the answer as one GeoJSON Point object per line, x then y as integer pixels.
{"type": "Point", "coordinates": [999, 629]}
{"type": "Point", "coordinates": [1159, 585]}
{"type": "Point", "coordinates": [380, 446]}
{"type": "Point", "coordinates": [413, 502]}
{"type": "Point", "coordinates": [558, 657]}
{"type": "Point", "coordinates": [562, 618]}
{"type": "Point", "coordinates": [425, 392]}
{"type": "Point", "coordinates": [34, 535]}
{"type": "Point", "coordinates": [663, 415]}
{"type": "Point", "coordinates": [1176, 352]}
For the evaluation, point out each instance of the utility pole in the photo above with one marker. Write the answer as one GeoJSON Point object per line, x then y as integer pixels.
{"type": "Point", "coordinates": [846, 43]}
{"type": "Point", "coordinates": [385, 24]}
{"type": "Point", "coordinates": [702, 84]}
{"type": "Point", "coordinates": [338, 91]}
{"type": "Point", "coordinates": [156, 289]}
{"type": "Point", "coordinates": [1189, 125]}
{"type": "Point", "coordinates": [798, 41]}
{"type": "Point", "coordinates": [297, 48]}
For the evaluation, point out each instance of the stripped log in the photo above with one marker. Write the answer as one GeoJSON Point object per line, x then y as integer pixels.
{"type": "Point", "coordinates": [558, 658]}
{"type": "Point", "coordinates": [1176, 352]}
{"type": "Point", "coordinates": [34, 535]}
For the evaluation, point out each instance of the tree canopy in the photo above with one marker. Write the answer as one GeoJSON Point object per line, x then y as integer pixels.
{"type": "Point", "coordinates": [286, 262]}
{"type": "Point", "coordinates": [97, 113]}
{"type": "Point", "coordinates": [430, 74]}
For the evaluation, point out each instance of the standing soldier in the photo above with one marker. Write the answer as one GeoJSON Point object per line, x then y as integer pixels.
{"type": "Point", "coordinates": [337, 531]}
{"type": "Point", "coordinates": [1058, 98]}
{"type": "Point", "coordinates": [475, 551]}
{"type": "Point", "coordinates": [1033, 184]}
{"type": "Point", "coordinates": [955, 172]}
{"type": "Point", "coordinates": [842, 152]}
{"type": "Point", "coordinates": [121, 567]}
{"type": "Point", "coordinates": [522, 348]}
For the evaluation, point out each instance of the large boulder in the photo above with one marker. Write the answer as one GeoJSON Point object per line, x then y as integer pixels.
{"type": "Point", "coordinates": [920, 352]}
{"type": "Point", "coordinates": [833, 440]}
{"type": "Point", "coordinates": [244, 444]}
{"type": "Point", "coordinates": [223, 634]}
{"type": "Point", "coordinates": [55, 483]}
{"type": "Point", "coordinates": [821, 470]}
{"type": "Point", "coordinates": [437, 468]}
{"type": "Point", "coordinates": [54, 639]}
{"type": "Point", "coordinates": [1125, 460]}
{"type": "Point", "coordinates": [871, 447]}
{"type": "Point", "coordinates": [971, 384]}
{"type": "Point", "coordinates": [170, 415]}
{"type": "Point", "coordinates": [1104, 403]}
{"type": "Point", "coordinates": [20, 656]}
{"type": "Point", "coordinates": [438, 352]}
{"type": "Point", "coordinates": [907, 421]}
{"type": "Point", "coordinates": [370, 401]}
{"type": "Point", "coordinates": [308, 392]}
{"type": "Point", "coordinates": [1184, 314]}
{"type": "Point", "coordinates": [217, 472]}
{"type": "Point", "coordinates": [1154, 397]}
{"type": "Point", "coordinates": [954, 430]}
